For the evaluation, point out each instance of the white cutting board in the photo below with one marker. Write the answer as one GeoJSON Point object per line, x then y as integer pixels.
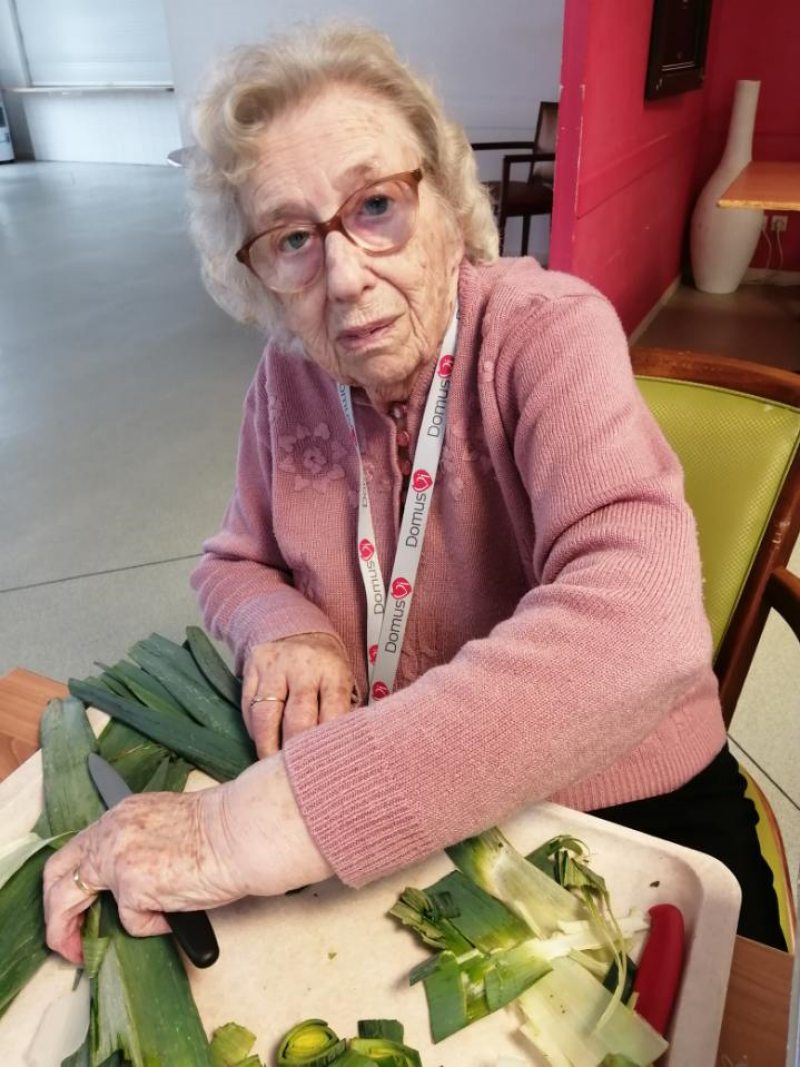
{"type": "Point", "coordinates": [331, 952]}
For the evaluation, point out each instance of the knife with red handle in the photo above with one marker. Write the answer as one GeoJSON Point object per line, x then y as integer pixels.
{"type": "Point", "coordinates": [659, 973]}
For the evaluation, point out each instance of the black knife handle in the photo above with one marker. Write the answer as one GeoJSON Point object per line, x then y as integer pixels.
{"type": "Point", "coordinates": [195, 934]}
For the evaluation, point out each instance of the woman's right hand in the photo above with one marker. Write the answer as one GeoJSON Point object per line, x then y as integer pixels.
{"type": "Point", "coordinates": [311, 676]}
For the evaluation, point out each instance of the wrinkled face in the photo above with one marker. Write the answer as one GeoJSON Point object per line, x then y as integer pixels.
{"type": "Point", "coordinates": [366, 320]}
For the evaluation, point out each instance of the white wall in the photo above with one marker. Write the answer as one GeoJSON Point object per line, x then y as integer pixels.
{"type": "Point", "coordinates": [131, 127]}
{"type": "Point", "coordinates": [13, 72]}
{"type": "Point", "coordinates": [491, 61]}
{"type": "Point", "coordinates": [136, 127]}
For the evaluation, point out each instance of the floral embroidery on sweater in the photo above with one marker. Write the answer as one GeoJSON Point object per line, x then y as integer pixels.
{"type": "Point", "coordinates": [312, 456]}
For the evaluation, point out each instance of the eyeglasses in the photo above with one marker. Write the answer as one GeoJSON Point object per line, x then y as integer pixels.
{"type": "Point", "coordinates": [380, 218]}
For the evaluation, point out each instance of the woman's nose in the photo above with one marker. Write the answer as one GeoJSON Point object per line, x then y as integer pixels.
{"type": "Point", "coordinates": [347, 268]}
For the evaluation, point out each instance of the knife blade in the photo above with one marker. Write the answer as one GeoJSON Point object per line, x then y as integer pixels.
{"type": "Point", "coordinates": [192, 929]}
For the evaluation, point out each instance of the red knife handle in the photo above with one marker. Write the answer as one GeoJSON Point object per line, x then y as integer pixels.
{"type": "Point", "coordinates": [660, 967]}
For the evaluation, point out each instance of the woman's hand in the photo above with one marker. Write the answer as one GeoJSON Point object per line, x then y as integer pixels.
{"type": "Point", "coordinates": [311, 677]}
{"type": "Point", "coordinates": [160, 852]}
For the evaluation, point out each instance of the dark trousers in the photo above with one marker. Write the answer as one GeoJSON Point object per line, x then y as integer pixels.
{"type": "Point", "coordinates": [711, 814]}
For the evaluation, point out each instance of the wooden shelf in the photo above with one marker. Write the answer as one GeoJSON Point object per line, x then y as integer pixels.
{"type": "Point", "coordinates": [772, 186]}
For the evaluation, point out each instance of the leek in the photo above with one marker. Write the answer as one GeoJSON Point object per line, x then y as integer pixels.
{"type": "Point", "coordinates": [579, 1001]}
{"type": "Point", "coordinates": [221, 757]}
{"type": "Point", "coordinates": [213, 666]}
{"type": "Point", "coordinates": [383, 1051]}
{"type": "Point", "coordinates": [142, 1005]}
{"type": "Point", "coordinates": [16, 853]}
{"type": "Point", "coordinates": [202, 703]}
{"type": "Point", "coordinates": [428, 917]}
{"type": "Point", "coordinates": [22, 943]}
{"type": "Point", "coordinates": [70, 797]}
{"type": "Point", "coordinates": [494, 864]}
{"type": "Point", "coordinates": [310, 1044]}
{"type": "Point", "coordinates": [391, 1029]}
{"type": "Point", "coordinates": [231, 1045]}
{"type": "Point", "coordinates": [71, 803]}
{"type": "Point", "coordinates": [480, 918]}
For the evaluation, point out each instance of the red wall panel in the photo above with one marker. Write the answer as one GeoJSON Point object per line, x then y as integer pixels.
{"type": "Point", "coordinates": [629, 170]}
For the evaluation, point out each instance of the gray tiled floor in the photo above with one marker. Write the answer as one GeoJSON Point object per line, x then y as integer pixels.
{"type": "Point", "coordinates": [121, 387]}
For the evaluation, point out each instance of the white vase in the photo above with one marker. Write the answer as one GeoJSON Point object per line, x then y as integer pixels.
{"type": "Point", "coordinates": [723, 239]}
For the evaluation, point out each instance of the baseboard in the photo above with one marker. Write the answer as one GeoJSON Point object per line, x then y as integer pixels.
{"type": "Point", "coordinates": [762, 276]}
{"type": "Point", "coordinates": [667, 295]}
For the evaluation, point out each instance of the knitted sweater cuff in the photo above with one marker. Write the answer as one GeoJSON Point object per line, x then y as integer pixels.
{"type": "Point", "coordinates": [339, 767]}
{"type": "Point", "coordinates": [272, 617]}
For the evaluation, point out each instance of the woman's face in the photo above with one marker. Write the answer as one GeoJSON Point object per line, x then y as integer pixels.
{"type": "Point", "coordinates": [313, 158]}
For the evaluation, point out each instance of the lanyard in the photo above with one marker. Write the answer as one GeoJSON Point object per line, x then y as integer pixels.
{"type": "Point", "coordinates": [386, 621]}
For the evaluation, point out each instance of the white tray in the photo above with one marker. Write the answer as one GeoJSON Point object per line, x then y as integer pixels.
{"type": "Point", "coordinates": [332, 953]}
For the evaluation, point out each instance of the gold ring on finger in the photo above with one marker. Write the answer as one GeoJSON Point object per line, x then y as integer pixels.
{"type": "Point", "coordinates": [267, 700]}
{"type": "Point", "coordinates": [79, 882]}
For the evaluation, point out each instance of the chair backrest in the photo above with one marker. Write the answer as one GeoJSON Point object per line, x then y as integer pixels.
{"type": "Point", "coordinates": [735, 427]}
{"type": "Point", "coordinates": [545, 140]}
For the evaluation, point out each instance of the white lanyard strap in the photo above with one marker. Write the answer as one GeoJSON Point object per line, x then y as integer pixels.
{"type": "Point", "coordinates": [386, 624]}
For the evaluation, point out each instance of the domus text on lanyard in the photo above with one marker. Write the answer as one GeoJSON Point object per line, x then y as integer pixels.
{"type": "Point", "coordinates": [386, 622]}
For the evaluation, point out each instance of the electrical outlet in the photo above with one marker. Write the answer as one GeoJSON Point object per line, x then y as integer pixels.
{"type": "Point", "coordinates": [779, 223]}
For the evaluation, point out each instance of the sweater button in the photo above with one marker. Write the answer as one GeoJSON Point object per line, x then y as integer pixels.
{"type": "Point", "coordinates": [398, 412]}
{"type": "Point", "coordinates": [403, 439]}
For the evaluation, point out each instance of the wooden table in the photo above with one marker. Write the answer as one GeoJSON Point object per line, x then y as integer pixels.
{"type": "Point", "coordinates": [756, 1019]}
{"type": "Point", "coordinates": [772, 186]}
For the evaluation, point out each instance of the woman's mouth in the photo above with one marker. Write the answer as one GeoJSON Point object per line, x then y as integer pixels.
{"type": "Point", "coordinates": [358, 338]}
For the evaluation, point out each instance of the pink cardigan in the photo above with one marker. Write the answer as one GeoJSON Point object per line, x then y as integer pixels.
{"type": "Point", "coordinates": [557, 645]}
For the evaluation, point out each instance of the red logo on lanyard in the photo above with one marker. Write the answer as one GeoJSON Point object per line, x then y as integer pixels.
{"type": "Point", "coordinates": [421, 481]}
{"type": "Point", "coordinates": [380, 690]}
{"type": "Point", "coordinates": [446, 366]}
{"type": "Point", "coordinates": [401, 587]}
{"type": "Point", "coordinates": [373, 653]}
{"type": "Point", "coordinates": [366, 550]}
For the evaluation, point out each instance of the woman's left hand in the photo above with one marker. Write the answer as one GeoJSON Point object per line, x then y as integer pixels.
{"type": "Point", "coordinates": [164, 852]}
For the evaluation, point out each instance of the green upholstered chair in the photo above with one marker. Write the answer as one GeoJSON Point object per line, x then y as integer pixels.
{"type": "Point", "coordinates": [735, 427]}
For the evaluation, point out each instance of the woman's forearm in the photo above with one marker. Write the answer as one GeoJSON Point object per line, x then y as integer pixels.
{"type": "Point", "coordinates": [256, 821]}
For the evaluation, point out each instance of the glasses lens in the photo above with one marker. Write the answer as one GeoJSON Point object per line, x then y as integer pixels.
{"type": "Point", "coordinates": [381, 217]}
{"type": "Point", "coordinates": [287, 259]}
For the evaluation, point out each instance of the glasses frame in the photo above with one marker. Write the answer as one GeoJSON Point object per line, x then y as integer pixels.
{"type": "Point", "coordinates": [335, 224]}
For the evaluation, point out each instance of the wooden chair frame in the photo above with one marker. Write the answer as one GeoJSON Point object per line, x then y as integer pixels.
{"type": "Point", "coordinates": [770, 584]}
{"type": "Point", "coordinates": [532, 155]}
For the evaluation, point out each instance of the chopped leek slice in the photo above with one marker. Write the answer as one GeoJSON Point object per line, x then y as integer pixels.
{"type": "Point", "coordinates": [495, 865]}
{"type": "Point", "coordinates": [424, 914]}
{"type": "Point", "coordinates": [230, 1045]}
{"type": "Point", "coordinates": [447, 998]}
{"type": "Point", "coordinates": [484, 921]}
{"type": "Point", "coordinates": [511, 973]}
{"type": "Point", "coordinates": [384, 1052]}
{"type": "Point", "coordinates": [310, 1044]}
{"type": "Point", "coordinates": [579, 1002]}
{"type": "Point", "coordinates": [391, 1029]}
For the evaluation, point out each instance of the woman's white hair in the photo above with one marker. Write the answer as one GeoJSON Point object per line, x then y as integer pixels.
{"type": "Point", "coordinates": [252, 86]}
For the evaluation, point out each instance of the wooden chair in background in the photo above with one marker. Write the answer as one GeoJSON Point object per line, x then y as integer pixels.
{"type": "Point", "coordinates": [735, 427]}
{"type": "Point", "coordinates": [534, 196]}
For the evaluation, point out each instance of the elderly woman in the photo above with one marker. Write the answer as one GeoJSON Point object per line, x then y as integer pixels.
{"type": "Point", "coordinates": [452, 507]}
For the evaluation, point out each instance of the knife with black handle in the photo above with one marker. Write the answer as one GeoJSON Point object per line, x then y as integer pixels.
{"type": "Point", "coordinates": [192, 929]}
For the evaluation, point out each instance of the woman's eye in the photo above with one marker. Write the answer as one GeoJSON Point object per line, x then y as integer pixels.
{"type": "Point", "coordinates": [294, 241]}
{"type": "Point", "coordinates": [376, 205]}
